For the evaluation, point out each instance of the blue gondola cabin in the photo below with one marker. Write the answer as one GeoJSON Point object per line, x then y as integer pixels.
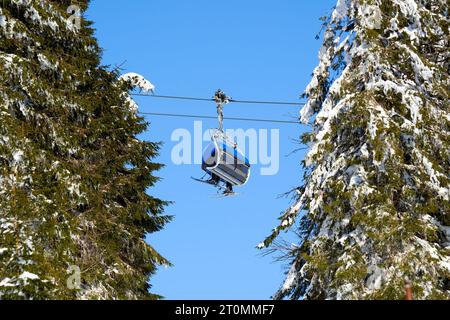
{"type": "Point", "coordinates": [222, 159]}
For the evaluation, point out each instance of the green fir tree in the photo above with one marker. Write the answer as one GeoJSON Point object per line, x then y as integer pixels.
{"type": "Point", "coordinates": [73, 175]}
{"type": "Point", "coordinates": [374, 208]}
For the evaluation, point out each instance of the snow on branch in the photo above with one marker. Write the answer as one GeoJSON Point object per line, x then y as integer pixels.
{"type": "Point", "coordinates": [138, 81]}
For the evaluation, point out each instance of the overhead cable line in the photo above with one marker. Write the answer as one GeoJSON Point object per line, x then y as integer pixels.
{"type": "Point", "coordinates": [170, 97]}
{"type": "Point", "coordinates": [269, 102]}
{"type": "Point", "coordinates": [231, 100]}
{"type": "Point", "coordinates": [212, 117]}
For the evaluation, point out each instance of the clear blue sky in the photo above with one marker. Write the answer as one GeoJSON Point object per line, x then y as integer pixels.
{"type": "Point", "coordinates": [262, 50]}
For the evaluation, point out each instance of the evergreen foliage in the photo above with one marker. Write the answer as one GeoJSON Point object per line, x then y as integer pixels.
{"type": "Point", "coordinates": [374, 208]}
{"type": "Point", "coordinates": [73, 175]}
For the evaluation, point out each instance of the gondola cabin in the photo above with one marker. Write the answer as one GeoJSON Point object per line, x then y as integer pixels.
{"type": "Point", "coordinates": [223, 159]}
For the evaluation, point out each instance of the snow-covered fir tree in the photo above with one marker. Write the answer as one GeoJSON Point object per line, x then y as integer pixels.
{"type": "Point", "coordinates": [374, 207]}
{"type": "Point", "coordinates": [73, 175]}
